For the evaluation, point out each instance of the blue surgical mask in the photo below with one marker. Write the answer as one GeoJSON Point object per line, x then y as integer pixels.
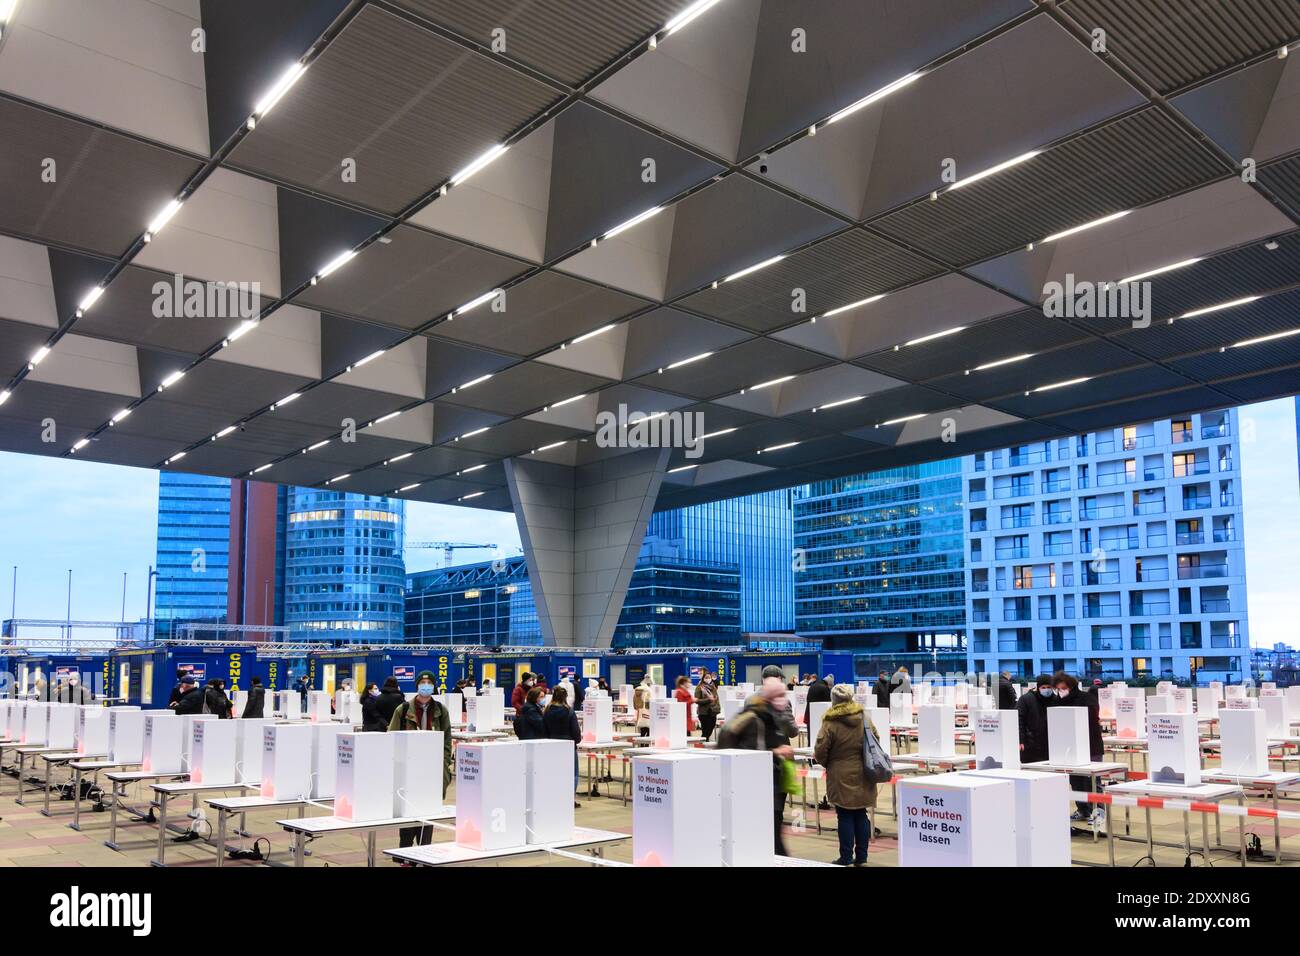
{"type": "Point", "coordinates": [1046, 692]}
{"type": "Point", "coordinates": [426, 690]}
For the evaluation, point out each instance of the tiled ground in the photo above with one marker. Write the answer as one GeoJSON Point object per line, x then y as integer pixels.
{"type": "Point", "coordinates": [29, 839]}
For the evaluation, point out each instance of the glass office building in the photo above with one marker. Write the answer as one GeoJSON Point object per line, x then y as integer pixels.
{"type": "Point", "coordinates": [193, 551]}
{"type": "Point", "coordinates": [1112, 554]}
{"type": "Point", "coordinates": [755, 534]}
{"type": "Point", "coordinates": [344, 574]}
{"type": "Point", "coordinates": [879, 566]}
{"type": "Point", "coordinates": [671, 602]}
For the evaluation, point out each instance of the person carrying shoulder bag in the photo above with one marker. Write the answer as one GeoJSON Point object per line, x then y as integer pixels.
{"type": "Point", "coordinates": [844, 748]}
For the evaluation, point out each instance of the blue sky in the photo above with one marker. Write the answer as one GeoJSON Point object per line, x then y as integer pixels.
{"type": "Point", "coordinates": [101, 520]}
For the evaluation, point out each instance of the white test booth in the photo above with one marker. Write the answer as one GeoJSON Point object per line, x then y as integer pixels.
{"type": "Point", "coordinates": [1173, 749]}
{"type": "Point", "coordinates": [677, 809]}
{"type": "Point", "coordinates": [956, 819]}
{"type": "Point", "coordinates": [597, 720]}
{"type": "Point", "coordinates": [61, 727]}
{"type": "Point", "coordinates": [1243, 739]}
{"type": "Point", "coordinates": [1042, 813]}
{"type": "Point", "coordinates": [745, 785]}
{"type": "Point", "coordinates": [214, 747]}
{"type": "Point", "coordinates": [162, 751]}
{"type": "Point", "coordinates": [997, 739]}
{"type": "Point", "coordinates": [286, 761]}
{"type": "Point", "coordinates": [1067, 736]}
{"type": "Point", "coordinates": [126, 735]}
{"type": "Point", "coordinates": [364, 775]}
{"type": "Point", "coordinates": [548, 785]}
{"type": "Point", "coordinates": [324, 757]}
{"type": "Point", "coordinates": [936, 730]}
{"type": "Point", "coordinates": [248, 748]}
{"type": "Point", "coordinates": [416, 773]}
{"type": "Point", "coordinates": [490, 796]}
{"type": "Point", "coordinates": [668, 723]}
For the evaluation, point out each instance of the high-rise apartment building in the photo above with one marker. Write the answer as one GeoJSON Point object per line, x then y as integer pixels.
{"type": "Point", "coordinates": [880, 565]}
{"type": "Point", "coordinates": [754, 533]}
{"type": "Point", "coordinates": [344, 574]}
{"type": "Point", "coordinates": [193, 550]}
{"type": "Point", "coordinates": [1113, 554]}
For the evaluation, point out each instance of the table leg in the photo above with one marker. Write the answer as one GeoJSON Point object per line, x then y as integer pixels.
{"type": "Point", "coordinates": [221, 837]}
{"type": "Point", "coordinates": [370, 848]}
{"type": "Point", "coordinates": [1205, 833]}
{"type": "Point", "coordinates": [162, 830]}
{"type": "Point", "coordinates": [1110, 836]}
{"type": "Point", "coordinates": [817, 806]}
{"type": "Point", "coordinates": [46, 811]}
{"type": "Point", "coordinates": [76, 799]}
{"type": "Point", "coordinates": [1277, 831]}
{"type": "Point", "coordinates": [1151, 838]}
{"type": "Point", "coordinates": [1093, 783]}
{"type": "Point", "coordinates": [1187, 833]}
{"type": "Point", "coordinates": [22, 762]}
{"type": "Point", "coordinates": [299, 848]}
{"type": "Point", "coordinates": [112, 816]}
{"type": "Point", "coordinates": [1241, 830]}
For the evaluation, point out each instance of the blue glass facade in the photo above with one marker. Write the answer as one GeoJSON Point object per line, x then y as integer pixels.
{"type": "Point", "coordinates": [671, 602]}
{"type": "Point", "coordinates": [755, 534]}
{"type": "Point", "coordinates": [193, 550]}
{"type": "Point", "coordinates": [344, 573]}
{"type": "Point", "coordinates": [881, 561]}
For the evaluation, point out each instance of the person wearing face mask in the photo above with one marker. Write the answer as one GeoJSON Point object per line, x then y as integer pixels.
{"type": "Point", "coordinates": [1031, 710]}
{"type": "Point", "coordinates": [424, 713]}
{"type": "Point", "coordinates": [256, 703]}
{"type": "Point", "coordinates": [1068, 694]}
{"type": "Point", "coordinates": [520, 694]}
{"type": "Point", "coordinates": [72, 691]}
{"type": "Point", "coordinates": [762, 726]}
{"type": "Point", "coordinates": [1006, 692]}
{"type": "Point", "coordinates": [707, 704]}
{"type": "Point", "coordinates": [371, 721]}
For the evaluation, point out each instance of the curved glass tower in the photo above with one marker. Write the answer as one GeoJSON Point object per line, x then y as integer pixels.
{"type": "Point", "coordinates": [343, 571]}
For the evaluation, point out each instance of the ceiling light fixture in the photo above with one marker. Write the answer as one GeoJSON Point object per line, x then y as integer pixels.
{"type": "Point", "coordinates": [224, 432]}
{"type": "Point", "coordinates": [873, 97]}
{"type": "Point", "coordinates": [369, 358]}
{"type": "Point", "coordinates": [176, 457]}
{"type": "Point", "coordinates": [38, 356]}
{"type": "Point", "coordinates": [80, 444]}
{"type": "Point", "coordinates": [1155, 272]}
{"type": "Point", "coordinates": [905, 418]}
{"type": "Point", "coordinates": [1266, 338]}
{"type": "Point", "coordinates": [992, 170]}
{"type": "Point", "coordinates": [842, 401]}
{"type": "Point", "coordinates": [319, 444]}
{"type": "Point", "coordinates": [635, 220]}
{"type": "Point", "coordinates": [469, 496]}
{"type": "Point", "coordinates": [687, 15]}
{"type": "Point", "coordinates": [592, 334]}
{"type": "Point", "coordinates": [401, 457]}
{"type": "Point", "coordinates": [286, 400]}
{"type": "Point", "coordinates": [1215, 308]}
{"type": "Point", "coordinates": [554, 444]}
{"type": "Point", "coordinates": [90, 299]}
{"type": "Point", "coordinates": [338, 478]}
{"type": "Point", "coordinates": [771, 382]}
{"type": "Point", "coordinates": [336, 263]}
{"type": "Point", "coordinates": [688, 361]}
{"type": "Point", "coordinates": [473, 381]}
{"type": "Point", "coordinates": [720, 431]}
{"type": "Point", "coordinates": [477, 431]}
{"type": "Point", "coordinates": [851, 305]}
{"type": "Point", "coordinates": [7, 12]}
{"type": "Point", "coordinates": [673, 471]}
{"type": "Point", "coordinates": [171, 379]}
{"type": "Point", "coordinates": [4, 396]}
{"type": "Point", "coordinates": [385, 418]}
{"type": "Point", "coordinates": [466, 471]}
{"type": "Point", "coordinates": [488, 157]}
{"type": "Point", "coordinates": [567, 401]}
{"type": "Point", "coordinates": [1068, 381]}
{"type": "Point", "coordinates": [241, 330]}
{"type": "Point", "coordinates": [771, 448]}
{"type": "Point", "coordinates": [287, 79]}
{"type": "Point", "coordinates": [410, 487]}
{"type": "Point", "coordinates": [261, 468]}
{"type": "Point", "coordinates": [936, 335]}
{"type": "Point", "coordinates": [1088, 225]}
{"type": "Point", "coordinates": [162, 218]}
{"type": "Point", "coordinates": [754, 268]}
{"type": "Point", "coordinates": [476, 302]}
{"type": "Point", "coordinates": [1006, 361]}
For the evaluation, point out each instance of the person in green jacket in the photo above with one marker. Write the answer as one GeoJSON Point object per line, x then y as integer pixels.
{"type": "Point", "coordinates": [424, 713]}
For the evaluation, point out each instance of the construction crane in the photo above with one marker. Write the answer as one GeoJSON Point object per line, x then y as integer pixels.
{"type": "Point", "coordinates": [449, 548]}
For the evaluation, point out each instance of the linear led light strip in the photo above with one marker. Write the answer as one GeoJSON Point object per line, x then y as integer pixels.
{"type": "Point", "coordinates": [781, 447]}
{"type": "Point", "coordinates": [38, 357]}
{"type": "Point", "coordinates": [1216, 308]}
{"type": "Point", "coordinates": [477, 431]}
{"type": "Point", "coordinates": [993, 170]}
{"type": "Point", "coordinates": [842, 401]}
{"type": "Point", "coordinates": [342, 259]}
{"type": "Point", "coordinates": [369, 358]}
{"type": "Point", "coordinates": [484, 159]}
{"type": "Point", "coordinates": [750, 269]}
{"type": "Point", "coordinates": [1262, 338]}
{"type": "Point", "coordinates": [176, 457]}
{"type": "Point", "coordinates": [472, 382]}
{"type": "Point", "coordinates": [931, 337]}
{"type": "Point", "coordinates": [851, 305]}
{"type": "Point", "coordinates": [554, 444]}
{"type": "Point", "coordinates": [1000, 362]}
{"type": "Point", "coordinates": [319, 444]}
{"type": "Point", "coordinates": [1155, 272]}
{"type": "Point", "coordinates": [1087, 225]}
{"type": "Point", "coordinates": [467, 497]}
{"type": "Point", "coordinates": [634, 221]}
{"type": "Point", "coordinates": [870, 98]}
{"type": "Point", "coordinates": [588, 335]}
{"type": "Point", "coordinates": [261, 468]}
{"type": "Point", "coordinates": [475, 302]}
{"type": "Point", "coordinates": [768, 384]}
{"type": "Point", "coordinates": [1067, 382]}
{"type": "Point", "coordinates": [171, 379]}
{"type": "Point", "coordinates": [224, 432]}
{"type": "Point", "coordinates": [4, 396]}
{"type": "Point", "coordinates": [466, 471]}
{"type": "Point", "coordinates": [240, 331]}
{"type": "Point", "coordinates": [338, 478]}
{"type": "Point", "coordinates": [272, 96]}
{"type": "Point", "coordinates": [565, 401]}
{"type": "Point", "coordinates": [905, 418]}
{"type": "Point", "coordinates": [160, 220]}
{"type": "Point", "coordinates": [686, 361]}
{"type": "Point", "coordinates": [89, 299]}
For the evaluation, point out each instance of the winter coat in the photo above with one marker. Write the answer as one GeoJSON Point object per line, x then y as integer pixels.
{"type": "Point", "coordinates": [372, 721]}
{"type": "Point", "coordinates": [1032, 715]}
{"type": "Point", "coordinates": [561, 723]}
{"type": "Point", "coordinates": [529, 724]}
{"type": "Point", "coordinates": [216, 702]}
{"type": "Point", "coordinates": [1078, 698]}
{"type": "Point", "coordinates": [191, 701]}
{"type": "Point", "coordinates": [1006, 694]}
{"type": "Point", "coordinates": [818, 690]}
{"type": "Point", "coordinates": [881, 690]}
{"type": "Point", "coordinates": [255, 704]}
{"type": "Point", "coordinates": [706, 699]}
{"type": "Point", "coordinates": [758, 727]}
{"type": "Point", "coordinates": [839, 750]}
{"type": "Point", "coordinates": [518, 696]}
{"type": "Point", "coordinates": [641, 704]}
{"type": "Point", "coordinates": [687, 698]}
{"type": "Point", "coordinates": [436, 718]}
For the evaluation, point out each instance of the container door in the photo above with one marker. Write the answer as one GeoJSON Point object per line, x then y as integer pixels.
{"type": "Point", "coordinates": [146, 683]}
{"type": "Point", "coordinates": [328, 686]}
{"type": "Point", "coordinates": [124, 680]}
{"type": "Point", "coordinates": [753, 674]}
{"type": "Point", "coordinates": [617, 676]}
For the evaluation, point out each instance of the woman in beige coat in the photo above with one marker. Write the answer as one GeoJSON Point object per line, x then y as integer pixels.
{"type": "Point", "coordinates": [839, 750]}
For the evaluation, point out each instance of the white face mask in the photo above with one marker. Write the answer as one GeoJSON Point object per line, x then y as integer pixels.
{"type": "Point", "coordinates": [1062, 692]}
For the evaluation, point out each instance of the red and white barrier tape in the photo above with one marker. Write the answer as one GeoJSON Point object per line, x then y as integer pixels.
{"type": "Point", "coordinates": [1184, 806]}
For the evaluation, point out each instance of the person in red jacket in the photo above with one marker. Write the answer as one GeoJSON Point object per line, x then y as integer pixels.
{"type": "Point", "coordinates": [684, 694]}
{"type": "Point", "coordinates": [520, 694]}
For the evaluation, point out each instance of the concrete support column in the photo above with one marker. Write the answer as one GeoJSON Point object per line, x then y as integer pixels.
{"type": "Point", "coordinates": [582, 528]}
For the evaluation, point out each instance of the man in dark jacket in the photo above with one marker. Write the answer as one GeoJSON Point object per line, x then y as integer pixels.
{"type": "Point", "coordinates": [215, 700]}
{"type": "Point", "coordinates": [424, 713]}
{"type": "Point", "coordinates": [1032, 716]}
{"type": "Point", "coordinates": [178, 689]}
{"type": "Point", "coordinates": [559, 722]}
{"type": "Point", "coordinates": [881, 689]}
{"type": "Point", "coordinates": [1006, 692]}
{"type": "Point", "coordinates": [191, 696]}
{"type": "Point", "coordinates": [256, 703]}
{"type": "Point", "coordinates": [1069, 694]}
{"type": "Point", "coordinates": [760, 727]}
{"type": "Point", "coordinates": [818, 690]}
{"type": "Point", "coordinates": [385, 705]}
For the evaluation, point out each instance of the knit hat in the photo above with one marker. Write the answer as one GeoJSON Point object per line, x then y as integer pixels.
{"type": "Point", "coordinates": [423, 674]}
{"type": "Point", "coordinates": [842, 694]}
{"type": "Point", "coordinates": [771, 670]}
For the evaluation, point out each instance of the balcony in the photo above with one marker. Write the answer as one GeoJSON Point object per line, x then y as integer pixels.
{"type": "Point", "coordinates": [1149, 609]}
{"type": "Point", "coordinates": [1097, 578]}
{"type": "Point", "coordinates": [1028, 458]}
{"type": "Point", "coordinates": [1104, 447]}
{"type": "Point", "coordinates": [1215, 431]}
{"type": "Point", "coordinates": [1183, 436]}
{"type": "Point", "coordinates": [1190, 537]}
{"type": "Point", "coordinates": [1058, 549]}
{"type": "Point", "coordinates": [979, 617]}
{"type": "Point", "coordinates": [1202, 571]}
{"type": "Point", "coordinates": [1012, 553]}
{"type": "Point", "coordinates": [1107, 644]}
{"type": "Point", "coordinates": [1116, 478]}
{"type": "Point", "coordinates": [1196, 504]}
{"type": "Point", "coordinates": [1157, 540]}
{"type": "Point", "coordinates": [1149, 508]}
{"type": "Point", "coordinates": [1227, 501]}
{"type": "Point", "coordinates": [1139, 441]}
{"type": "Point", "coordinates": [979, 463]}
{"type": "Point", "coordinates": [1015, 647]}
{"type": "Point", "coordinates": [1119, 544]}
{"type": "Point", "coordinates": [1215, 606]}
{"type": "Point", "coordinates": [1187, 469]}
{"type": "Point", "coordinates": [978, 496]}
{"type": "Point", "coordinates": [1225, 640]}
{"type": "Point", "coordinates": [1094, 514]}
{"type": "Point", "coordinates": [1060, 644]}
{"type": "Point", "coordinates": [981, 647]}
{"type": "Point", "coordinates": [1019, 521]}
{"type": "Point", "coordinates": [1013, 491]}
{"type": "Point", "coordinates": [979, 526]}
{"type": "Point", "coordinates": [1224, 534]}
{"type": "Point", "coordinates": [1225, 464]}
{"type": "Point", "coordinates": [1100, 610]}
{"type": "Point", "coordinates": [1084, 482]}
{"type": "Point", "coordinates": [1058, 485]}
{"type": "Point", "coordinates": [1057, 517]}
{"type": "Point", "coordinates": [1153, 575]}
{"type": "Point", "coordinates": [1012, 614]}
{"type": "Point", "coordinates": [979, 586]}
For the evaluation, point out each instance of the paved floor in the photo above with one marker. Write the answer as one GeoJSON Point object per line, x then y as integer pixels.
{"type": "Point", "coordinates": [29, 839]}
